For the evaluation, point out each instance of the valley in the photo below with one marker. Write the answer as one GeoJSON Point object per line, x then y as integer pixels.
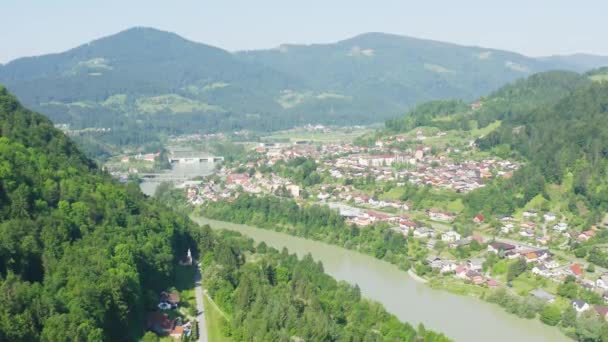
{"type": "Point", "coordinates": [409, 197]}
{"type": "Point", "coordinates": [303, 172]}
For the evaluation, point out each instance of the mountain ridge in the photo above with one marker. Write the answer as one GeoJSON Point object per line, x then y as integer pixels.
{"type": "Point", "coordinates": [149, 82]}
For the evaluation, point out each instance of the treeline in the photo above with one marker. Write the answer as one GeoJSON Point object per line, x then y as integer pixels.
{"type": "Point", "coordinates": [314, 222]}
{"type": "Point", "coordinates": [82, 258]}
{"type": "Point", "coordinates": [272, 296]}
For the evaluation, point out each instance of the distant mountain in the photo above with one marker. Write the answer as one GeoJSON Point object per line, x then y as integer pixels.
{"type": "Point", "coordinates": [143, 82]}
{"type": "Point", "coordinates": [578, 62]}
{"type": "Point", "coordinates": [390, 73]}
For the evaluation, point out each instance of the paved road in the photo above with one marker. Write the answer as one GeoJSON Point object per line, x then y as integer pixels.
{"type": "Point", "coordinates": [568, 256]}
{"type": "Point", "coordinates": [200, 317]}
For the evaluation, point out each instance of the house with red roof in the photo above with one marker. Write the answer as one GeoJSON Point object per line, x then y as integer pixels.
{"type": "Point", "coordinates": [602, 311]}
{"type": "Point", "coordinates": [576, 270]}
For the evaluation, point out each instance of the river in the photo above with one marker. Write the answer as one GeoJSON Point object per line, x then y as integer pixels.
{"type": "Point", "coordinates": [461, 318]}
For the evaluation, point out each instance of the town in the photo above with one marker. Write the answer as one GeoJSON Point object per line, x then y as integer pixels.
{"type": "Point", "coordinates": [343, 172]}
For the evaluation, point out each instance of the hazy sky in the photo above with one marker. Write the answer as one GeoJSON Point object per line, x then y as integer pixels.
{"type": "Point", "coordinates": [532, 27]}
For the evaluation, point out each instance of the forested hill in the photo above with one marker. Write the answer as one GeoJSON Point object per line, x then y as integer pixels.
{"type": "Point", "coordinates": [143, 82]}
{"type": "Point", "coordinates": [517, 98]}
{"type": "Point", "coordinates": [565, 143]}
{"type": "Point", "coordinates": [79, 254]}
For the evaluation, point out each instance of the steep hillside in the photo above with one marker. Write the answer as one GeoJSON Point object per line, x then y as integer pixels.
{"type": "Point", "coordinates": [565, 144]}
{"type": "Point", "coordinates": [80, 255]}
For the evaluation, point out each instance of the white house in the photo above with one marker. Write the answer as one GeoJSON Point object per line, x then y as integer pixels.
{"type": "Point", "coordinates": [560, 227]}
{"type": "Point", "coordinates": [450, 236]}
{"type": "Point", "coordinates": [580, 305]}
{"type": "Point", "coordinates": [542, 271]}
{"type": "Point", "coordinates": [602, 282]}
{"type": "Point", "coordinates": [550, 217]}
{"type": "Point", "coordinates": [448, 266]}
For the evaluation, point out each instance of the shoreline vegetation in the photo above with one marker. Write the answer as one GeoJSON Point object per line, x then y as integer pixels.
{"type": "Point", "coordinates": [318, 223]}
{"type": "Point", "coordinates": [416, 277]}
{"type": "Point", "coordinates": [251, 283]}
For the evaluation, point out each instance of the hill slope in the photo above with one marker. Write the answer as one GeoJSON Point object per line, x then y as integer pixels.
{"type": "Point", "coordinates": [565, 143]}
{"type": "Point", "coordinates": [79, 254]}
{"type": "Point", "coordinates": [143, 82]}
{"type": "Point", "coordinates": [511, 100]}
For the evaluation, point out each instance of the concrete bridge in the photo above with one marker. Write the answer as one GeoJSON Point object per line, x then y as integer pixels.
{"type": "Point", "coordinates": [192, 157]}
{"type": "Point", "coordinates": [162, 177]}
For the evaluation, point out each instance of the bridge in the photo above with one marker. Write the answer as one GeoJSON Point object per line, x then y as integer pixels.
{"type": "Point", "coordinates": [163, 177]}
{"type": "Point", "coordinates": [192, 157]}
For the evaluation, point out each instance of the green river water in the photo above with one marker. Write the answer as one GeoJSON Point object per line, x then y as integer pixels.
{"type": "Point", "coordinates": [461, 318]}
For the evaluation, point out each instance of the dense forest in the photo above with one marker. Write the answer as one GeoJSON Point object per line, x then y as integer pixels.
{"type": "Point", "coordinates": [314, 222]}
{"type": "Point", "coordinates": [80, 255]}
{"type": "Point", "coordinates": [565, 143]}
{"type": "Point", "coordinates": [276, 297]}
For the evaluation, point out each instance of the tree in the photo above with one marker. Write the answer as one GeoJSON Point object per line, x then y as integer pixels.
{"type": "Point", "coordinates": [588, 326]}
{"type": "Point", "coordinates": [516, 268]}
{"type": "Point", "coordinates": [551, 315]}
{"type": "Point", "coordinates": [569, 317]}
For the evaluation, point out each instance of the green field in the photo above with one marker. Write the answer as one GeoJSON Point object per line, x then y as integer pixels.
{"type": "Point", "coordinates": [341, 135]}
{"type": "Point", "coordinates": [215, 322]}
{"type": "Point", "coordinates": [599, 78]}
{"type": "Point", "coordinates": [173, 103]}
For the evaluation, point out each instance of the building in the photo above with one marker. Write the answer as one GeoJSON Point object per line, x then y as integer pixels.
{"type": "Point", "coordinates": [438, 215]}
{"type": "Point", "coordinates": [602, 282]}
{"type": "Point", "coordinates": [602, 311]}
{"type": "Point", "coordinates": [543, 295]}
{"type": "Point", "coordinates": [580, 305]}
{"type": "Point", "coordinates": [450, 236]}
{"type": "Point", "coordinates": [497, 246]}
{"type": "Point", "coordinates": [478, 218]}
{"type": "Point", "coordinates": [475, 264]}
{"type": "Point", "coordinates": [575, 270]}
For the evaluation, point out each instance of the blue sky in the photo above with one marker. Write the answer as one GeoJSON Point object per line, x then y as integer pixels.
{"type": "Point", "coordinates": [531, 27]}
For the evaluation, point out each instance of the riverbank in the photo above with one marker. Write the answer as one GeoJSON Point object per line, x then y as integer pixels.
{"type": "Point", "coordinates": [464, 318]}
{"type": "Point", "coordinates": [416, 277]}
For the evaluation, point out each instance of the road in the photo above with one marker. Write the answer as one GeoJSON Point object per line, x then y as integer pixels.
{"type": "Point", "coordinates": [200, 317]}
{"type": "Point", "coordinates": [567, 256]}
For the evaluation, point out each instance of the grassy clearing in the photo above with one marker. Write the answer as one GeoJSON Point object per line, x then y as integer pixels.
{"type": "Point", "coordinates": [173, 103]}
{"type": "Point", "coordinates": [394, 193]}
{"type": "Point", "coordinates": [215, 322]}
{"type": "Point", "coordinates": [184, 283]}
{"type": "Point", "coordinates": [457, 286]}
{"type": "Point", "coordinates": [334, 136]}
{"type": "Point", "coordinates": [600, 78]}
